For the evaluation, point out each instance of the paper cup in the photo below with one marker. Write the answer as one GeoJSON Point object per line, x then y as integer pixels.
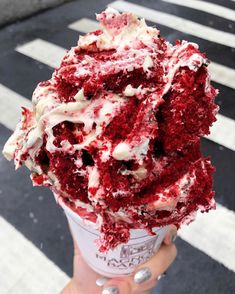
{"type": "Point", "coordinates": [122, 260]}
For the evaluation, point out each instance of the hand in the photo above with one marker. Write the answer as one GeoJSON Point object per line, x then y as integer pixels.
{"type": "Point", "coordinates": [145, 277]}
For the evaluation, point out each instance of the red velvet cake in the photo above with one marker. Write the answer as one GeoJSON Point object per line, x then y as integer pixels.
{"type": "Point", "coordinates": [116, 131]}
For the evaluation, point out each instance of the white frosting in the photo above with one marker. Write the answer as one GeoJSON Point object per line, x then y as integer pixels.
{"type": "Point", "coordinates": [93, 177]}
{"type": "Point", "coordinates": [122, 151]}
{"type": "Point", "coordinates": [148, 62]}
{"type": "Point", "coordinates": [165, 200]}
{"type": "Point", "coordinates": [129, 91]}
{"type": "Point", "coordinates": [135, 150]}
{"type": "Point", "coordinates": [110, 11]}
{"type": "Point", "coordinates": [80, 95]}
{"type": "Point", "coordinates": [81, 111]}
{"type": "Point", "coordinates": [140, 150]}
{"type": "Point", "coordinates": [179, 59]}
{"type": "Point", "coordinates": [135, 32]}
{"type": "Point", "coordinates": [105, 154]}
{"type": "Point", "coordinates": [86, 40]}
{"type": "Point", "coordinates": [81, 204]}
{"type": "Point", "coordinates": [139, 173]}
{"type": "Point", "coordinates": [11, 144]}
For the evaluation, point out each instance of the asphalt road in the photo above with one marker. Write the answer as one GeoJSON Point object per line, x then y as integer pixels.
{"type": "Point", "coordinates": [204, 265]}
{"type": "Point", "coordinates": [13, 10]}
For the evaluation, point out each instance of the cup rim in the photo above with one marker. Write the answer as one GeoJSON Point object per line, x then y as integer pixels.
{"type": "Point", "coordinates": [74, 214]}
{"type": "Point", "coordinates": [85, 224]}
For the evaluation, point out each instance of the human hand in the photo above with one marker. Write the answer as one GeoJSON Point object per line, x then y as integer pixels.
{"type": "Point", "coordinates": [145, 277]}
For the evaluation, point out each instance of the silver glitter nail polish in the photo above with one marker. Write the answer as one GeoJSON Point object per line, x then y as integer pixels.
{"type": "Point", "coordinates": [101, 281]}
{"type": "Point", "coordinates": [110, 290]}
{"type": "Point", "coordinates": [142, 275]}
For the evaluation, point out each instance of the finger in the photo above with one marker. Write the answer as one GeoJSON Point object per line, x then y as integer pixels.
{"type": "Point", "coordinates": [117, 286]}
{"type": "Point", "coordinates": [81, 270]}
{"type": "Point", "coordinates": [84, 277]}
{"type": "Point", "coordinates": [147, 287]}
{"type": "Point", "coordinates": [101, 281]}
{"type": "Point", "coordinates": [159, 263]}
{"type": "Point", "coordinates": [149, 272]}
{"type": "Point", "coordinates": [75, 246]}
{"type": "Point", "coordinates": [171, 235]}
{"type": "Point", "coordinates": [146, 276]}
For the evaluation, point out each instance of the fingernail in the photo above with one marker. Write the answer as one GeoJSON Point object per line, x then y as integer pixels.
{"type": "Point", "coordinates": [101, 281]}
{"type": "Point", "coordinates": [110, 290]}
{"type": "Point", "coordinates": [173, 236]}
{"type": "Point", "coordinates": [142, 275]}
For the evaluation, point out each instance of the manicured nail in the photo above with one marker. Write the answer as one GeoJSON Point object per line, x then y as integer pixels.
{"type": "Point", "coordinates": [173, 236]}
{"type": "Point", "coordinates": [101, 281]}
{"type": "Point", "coordinates": [142, 275]}
{"type": "Point", "coordinates": [110, 290]}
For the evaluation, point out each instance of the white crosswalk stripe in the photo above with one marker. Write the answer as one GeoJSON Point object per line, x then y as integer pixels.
{"type": "Point", "coordinates": [84, 25]}
{"type": "Point", "coordinates": [10, 107]}
{"type": "Point", "coordinates": [219, 73]}
{"type": "Point", "coordinates": [206, 7]}
{"type": "Point", "coordinates": [41, 50]}
{"type": "Point", "coordinates": [24, 268]}
{"type": "Point", "coordinates": [177, 23]}
{"type": "Point", "coordinates": [222, 74]}
{"type": "Point", "coordinates": [223, 132]}
{"type": "Point", "coordinates": [214, 234]}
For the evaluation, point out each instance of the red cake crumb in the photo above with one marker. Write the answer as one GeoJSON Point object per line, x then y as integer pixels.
{"type": "Point", "coordinates": [192, 110]}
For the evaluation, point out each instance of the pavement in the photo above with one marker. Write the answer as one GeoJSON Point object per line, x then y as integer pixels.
{"type": "Point", "coordinates": [35, 244]}
{"type": "Point", "coordinates": [13, 10]}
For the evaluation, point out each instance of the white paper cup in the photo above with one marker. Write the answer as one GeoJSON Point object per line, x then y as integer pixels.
{"type": "Point", "coordinates": [124, 258]}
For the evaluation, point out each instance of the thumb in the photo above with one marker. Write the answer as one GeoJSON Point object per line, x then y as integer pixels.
{"type": "Point", "coordinates": [117, 286]}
